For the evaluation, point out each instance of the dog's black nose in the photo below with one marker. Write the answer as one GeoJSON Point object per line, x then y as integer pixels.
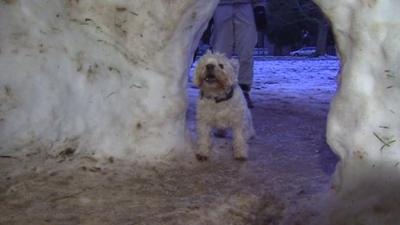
{"type": "Point", "coordinates": [210, 67]}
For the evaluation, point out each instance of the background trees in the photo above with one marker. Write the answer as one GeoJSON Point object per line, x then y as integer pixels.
{"type": "Point", "coordinates": [297, 23]}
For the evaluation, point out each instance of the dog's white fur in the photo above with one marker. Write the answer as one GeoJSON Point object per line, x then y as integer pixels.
{"type": "Point", "coordinates": [228, 114]}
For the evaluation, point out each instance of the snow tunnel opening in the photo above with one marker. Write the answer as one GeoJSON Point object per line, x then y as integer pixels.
{"type": "Point", "coordinates": [294, 76]}
{"type": "Point", "coordinates": [291, 96]}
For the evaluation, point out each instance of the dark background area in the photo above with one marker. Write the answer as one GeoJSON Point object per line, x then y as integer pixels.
{"type": "Point", "coordinates": [285, 26]}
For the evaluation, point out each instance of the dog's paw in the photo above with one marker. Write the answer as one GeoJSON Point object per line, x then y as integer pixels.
{"type": "Point", "coordinates": [201, 158]}
{"type": "Point", "coordinates": [241, 158]}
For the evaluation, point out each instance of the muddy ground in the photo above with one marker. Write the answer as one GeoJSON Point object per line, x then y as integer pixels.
{"type": "Point", "coordinates": [289, 168]}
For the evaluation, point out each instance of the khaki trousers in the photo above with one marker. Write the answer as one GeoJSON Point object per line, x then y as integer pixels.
{"type": "Point", "coordinates": [234, 31]}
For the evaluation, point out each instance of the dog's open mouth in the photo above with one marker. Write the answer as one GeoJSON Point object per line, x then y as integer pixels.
{"type": "Point", "coordinates": [210, 78]}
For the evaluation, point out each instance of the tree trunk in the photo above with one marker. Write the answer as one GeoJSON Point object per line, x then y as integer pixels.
{"type": "Point", "coordinates": [323, 28]}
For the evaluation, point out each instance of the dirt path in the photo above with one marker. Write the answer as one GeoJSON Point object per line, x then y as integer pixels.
{"type": "Point", "coordinates": [290, 163]}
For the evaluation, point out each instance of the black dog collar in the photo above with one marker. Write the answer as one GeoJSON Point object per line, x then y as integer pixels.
{"type": "Point", "coordinates": [228, 96]}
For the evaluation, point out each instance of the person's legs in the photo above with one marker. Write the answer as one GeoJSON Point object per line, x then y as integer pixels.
{"type": "Point", "coordinates": [222, 34]}
{"type": "Point", "coordinates": [246, 39]}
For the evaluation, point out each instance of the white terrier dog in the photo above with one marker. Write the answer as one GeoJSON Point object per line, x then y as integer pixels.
{"type": "Point", "coordinates": [221, 105]}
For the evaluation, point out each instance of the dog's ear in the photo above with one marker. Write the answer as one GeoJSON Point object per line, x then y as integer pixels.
{"type": "Point", "coordinates": [235, 65]}
{"type": "Point", "coordinates": [197, 76]}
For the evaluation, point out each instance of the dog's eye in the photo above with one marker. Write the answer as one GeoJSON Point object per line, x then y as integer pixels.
{"type": "Point", "coordinates": [221, 66]}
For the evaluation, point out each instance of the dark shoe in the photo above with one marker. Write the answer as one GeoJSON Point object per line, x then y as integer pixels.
{"type": "Point", "coordinates": [248, 100]}
{"type": "Point", "coordinates": [245, 87]}
{"type": "Point", "coordinates": [219, 133]}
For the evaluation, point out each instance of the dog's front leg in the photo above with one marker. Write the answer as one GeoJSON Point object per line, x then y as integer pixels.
{"type": "Point", "coordinates": [240, 147]}
{"type": "Point", "coordinates": [204, 142]}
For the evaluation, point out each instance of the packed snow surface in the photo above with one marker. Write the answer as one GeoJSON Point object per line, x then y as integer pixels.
{"type": "Point", "coordinates": [290, 165]}
{"type": "Point", "coordinates": [100, 77]}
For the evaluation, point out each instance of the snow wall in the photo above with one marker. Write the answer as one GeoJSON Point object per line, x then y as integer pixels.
{"type": "Point", "coordinates": [364, 119]}
{"type": "Point", "coordinates": [102, 77]}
